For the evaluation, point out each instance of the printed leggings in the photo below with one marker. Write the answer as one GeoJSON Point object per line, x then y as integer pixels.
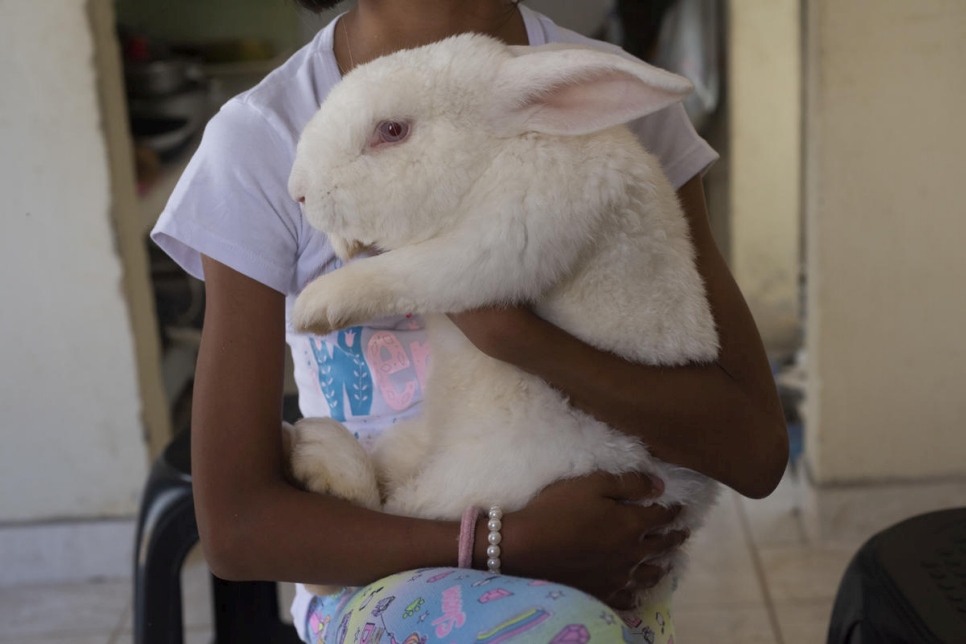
{"type": "Point", "coordinates": [459, 606]}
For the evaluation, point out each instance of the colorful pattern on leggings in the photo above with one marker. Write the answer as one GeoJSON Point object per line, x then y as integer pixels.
{"type": "Point", "coordinates": [459, 606]}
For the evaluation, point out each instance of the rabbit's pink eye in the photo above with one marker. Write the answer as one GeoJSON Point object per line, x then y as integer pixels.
{"type": "Point", "coordinates": [392, 131]}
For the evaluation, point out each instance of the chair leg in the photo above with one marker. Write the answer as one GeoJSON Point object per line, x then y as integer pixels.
{"type": "Point", "coordinates": [244, 612]}
{"type": "Point", "coordinates": [247, 613]}
{"type": "Point", "coordinates": [166, 533]}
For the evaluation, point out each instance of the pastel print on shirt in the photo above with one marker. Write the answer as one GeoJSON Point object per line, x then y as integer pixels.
{"type": "Point", "coordinates": [343, 373]}
{"type": "Point", "coordinates": [371, 372]}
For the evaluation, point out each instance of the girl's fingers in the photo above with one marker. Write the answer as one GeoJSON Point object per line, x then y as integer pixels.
{"type": "Point", "coordinates": [624, 598]}
{"type": "Point", "coordinates": [648, 575]}
{"type": "Point", "coordinates": [654, 546]}
{"type": "Point", "coordinates": [644, 576]}
{"type": "Point", "coordinates": [654, 518]}
{"type": "Point", "coordinates": [632, 487]}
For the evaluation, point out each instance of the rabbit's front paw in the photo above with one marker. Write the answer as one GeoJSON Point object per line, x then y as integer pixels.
{"type": "Point", "coordinates": [326, 458]}
{"type": "Point", "coordinates": [336, 301]}
{"type": "Point", "coordinates": [310, 316]}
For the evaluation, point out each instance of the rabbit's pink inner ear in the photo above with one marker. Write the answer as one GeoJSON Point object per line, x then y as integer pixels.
{"type": "Point", "coordinates": [579, 92]}
{"type": "Point", "coordinates": [608, 98]}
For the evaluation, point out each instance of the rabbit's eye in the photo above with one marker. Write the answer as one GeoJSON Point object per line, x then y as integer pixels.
{"type": "Point", "coordinates": [392, 131]}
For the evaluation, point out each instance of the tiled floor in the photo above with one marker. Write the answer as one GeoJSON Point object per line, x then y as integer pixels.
{"type": "Point", "coordinates": [755, 577]}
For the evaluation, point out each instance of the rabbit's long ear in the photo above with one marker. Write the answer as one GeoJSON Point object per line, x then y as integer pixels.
{"type": "Point", "coordinates": [572, 91]}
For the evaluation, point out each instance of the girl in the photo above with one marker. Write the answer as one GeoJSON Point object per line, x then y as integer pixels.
{"type": "Point", "coordinates": [231, 222]}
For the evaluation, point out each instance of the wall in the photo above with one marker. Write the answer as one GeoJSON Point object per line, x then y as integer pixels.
{"type": "Point", "coordinates": [70, 410]}
{"type": "Point", "coordinates": [885, 229]}
{"type": "Point", "coordinates": [764, 108]}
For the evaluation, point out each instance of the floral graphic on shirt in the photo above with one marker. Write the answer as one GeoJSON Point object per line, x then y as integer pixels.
{"type": "Point", "coordinates": [387, 356]}
{"type": "Point", "coordinates": [344, 374]}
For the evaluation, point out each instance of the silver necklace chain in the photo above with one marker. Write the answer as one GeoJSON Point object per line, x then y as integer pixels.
{"type": "Point", "coordinates": [348, 46]}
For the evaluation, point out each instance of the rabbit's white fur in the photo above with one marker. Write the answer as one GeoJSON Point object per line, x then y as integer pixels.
{"type": "Point", "coordinates": [518, 184]}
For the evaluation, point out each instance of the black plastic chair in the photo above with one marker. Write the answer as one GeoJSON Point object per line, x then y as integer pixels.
{"type": "Point", "coordinates": [906, 584]}
{"type": "Point", "coordinates": [243, 612]}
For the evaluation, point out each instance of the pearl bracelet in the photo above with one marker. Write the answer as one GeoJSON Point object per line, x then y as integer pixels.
{"type": "Point", "coordinates": [494, 524]}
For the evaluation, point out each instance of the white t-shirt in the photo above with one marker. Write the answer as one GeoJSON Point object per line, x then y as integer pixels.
{"type": "Point", "coordinates": [232, 204]}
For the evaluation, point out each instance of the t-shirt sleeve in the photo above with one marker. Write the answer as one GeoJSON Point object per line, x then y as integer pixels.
{"type": "Point", "coordinates": [232, 202]}
{"type": "Point", "coordinates": [669, 135]}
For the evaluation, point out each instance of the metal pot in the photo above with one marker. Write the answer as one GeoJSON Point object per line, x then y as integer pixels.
{"type": "Point", "coordinates": [191, 102]}
{"type": "Point", "coordinates": [160, 76]}
{"type": "Point", "coordinates": [165, 136]}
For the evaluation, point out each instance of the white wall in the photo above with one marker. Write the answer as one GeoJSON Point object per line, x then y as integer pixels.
{"type": "Point", "coordinates": [885, 229]}
{"type": "Point", "coordinates": [70, 412]}
{"type": "Point", "coordinates": [764, 108]}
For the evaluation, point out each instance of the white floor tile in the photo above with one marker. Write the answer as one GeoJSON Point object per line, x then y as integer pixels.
{"type": "Point", "coordinates": [848, 516]}
{"type": "Point", "coordinates": [196, 590]}
{"type": "Point", "coordinates": [125, 624]}
{"type": "Point", "coordinates": [81, 609]}
{"type": "Point", "coordinates": [804, 622]}
{"type": "Point", "coordinates": [62, 638]}
{"type": "Point", "coordinates": [200, 635]}
{"type": "Point", "coordinates": [723, 522]}
{"type": "Point", "coordinates": [808, 573]}
{"type": "Point", "coordinates": [721, 571]}
{"type": "Point", "coordinates": [73, 551]}
{"type": "Point", "coordinates": [193, 635]}
{"type": "Point", "coordinates": [739, 625]}
{"type": "Point", "coordinates": [777, 519]}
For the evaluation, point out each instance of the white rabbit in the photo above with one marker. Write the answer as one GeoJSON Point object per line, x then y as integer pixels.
{"type": "Point", "coordinates": [489, 174]}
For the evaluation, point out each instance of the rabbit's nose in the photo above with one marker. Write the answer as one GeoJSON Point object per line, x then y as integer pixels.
{"type": "Point", "coordinates": [297, 185]}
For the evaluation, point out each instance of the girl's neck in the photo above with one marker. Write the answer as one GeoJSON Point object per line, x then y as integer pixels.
{"type": "Point", "coordinates": [375, 28]}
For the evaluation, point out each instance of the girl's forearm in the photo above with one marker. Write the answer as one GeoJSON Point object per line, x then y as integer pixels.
{"type": "Point", "coordinates": [696, 416]}
{"type": "Point", "coordinates": [337, 543]}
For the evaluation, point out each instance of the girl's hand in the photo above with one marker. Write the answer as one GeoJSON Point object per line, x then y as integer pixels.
{"type": "Point", "coordinates": [587, 533]}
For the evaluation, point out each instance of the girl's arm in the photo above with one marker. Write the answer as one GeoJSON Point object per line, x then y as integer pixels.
{"type": "Point", "coordinates": [255, 525]}
{"type": "Point", "coordinates": [724, 419]}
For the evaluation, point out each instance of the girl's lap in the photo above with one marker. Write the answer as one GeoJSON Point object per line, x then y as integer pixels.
{"type": "Point", "coordinates": [459, 606]}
